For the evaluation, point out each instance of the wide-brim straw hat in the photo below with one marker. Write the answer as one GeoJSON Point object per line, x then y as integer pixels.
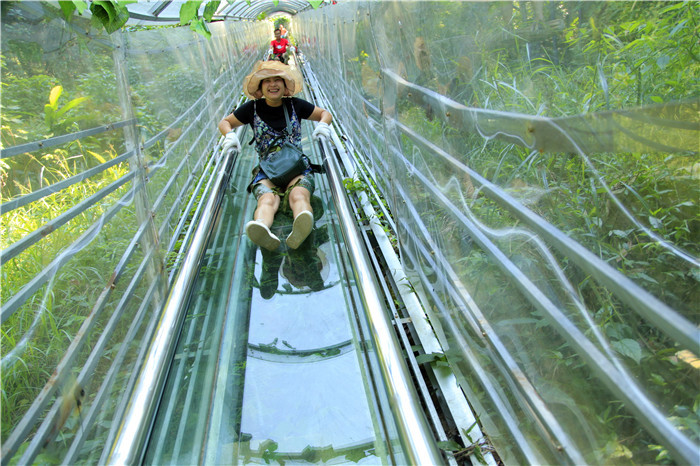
{"type": "Point", "coordinates": [268, 69]}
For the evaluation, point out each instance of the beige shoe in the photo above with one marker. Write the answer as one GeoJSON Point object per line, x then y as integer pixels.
{"type": "Point", "coordinates": [301, 228]}
{"type": "Point", "coordinates": [261, 235]}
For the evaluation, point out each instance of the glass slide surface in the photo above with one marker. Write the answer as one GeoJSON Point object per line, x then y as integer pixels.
{"type": "Point", "coordinates": [272, 366]}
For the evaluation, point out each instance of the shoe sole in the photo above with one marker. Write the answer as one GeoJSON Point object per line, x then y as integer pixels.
{"type": "Point", "coordinates": [300, 229]}
{"type": "Point", "coordinates": [261, 236]}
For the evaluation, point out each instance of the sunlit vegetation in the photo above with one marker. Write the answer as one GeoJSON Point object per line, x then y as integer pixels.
{"type": "Point", "coordinates": [73, 90]}
{"type": "Point", "coordinates": [556, 59]}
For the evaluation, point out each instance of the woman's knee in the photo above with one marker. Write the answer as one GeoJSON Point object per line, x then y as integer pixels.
{"type": "Point", "coordinates": [299, 194]}
{"type": "Point", "coordinates": [269, 200]}
{"type": "Point", "coordinates": [305, 182]}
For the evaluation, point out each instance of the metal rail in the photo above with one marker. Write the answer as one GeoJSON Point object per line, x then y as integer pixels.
{"type": "Point", "coordinates": [649, 307]}
{"type": "Point", "coordinates": [617, 380]}
{"type": "Point", "coordinates": [456, 402]}
{"type": "Point", "coordinates": [128, 445]}
{"type": "Point", "coordinates": [639, 300]}
{"type": "Point", "coordinates": [63, 139]}
{"type": "Point", "coordinates": [415, 433]}
{"type": "Point", "coordinates": [61, 374]}
{"type": "Point", "coordinates": [417, 440]}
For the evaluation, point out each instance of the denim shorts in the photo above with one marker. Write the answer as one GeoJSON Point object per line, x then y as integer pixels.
{"type": "Point", "coordinates": [258, 189]}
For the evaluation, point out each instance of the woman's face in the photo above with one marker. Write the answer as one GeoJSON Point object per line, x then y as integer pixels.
{"type": "Point", "coordinates": [273, 88]}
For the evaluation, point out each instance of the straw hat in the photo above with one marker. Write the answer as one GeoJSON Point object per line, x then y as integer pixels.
{"type": "Point", "coordinates": [268, 69]}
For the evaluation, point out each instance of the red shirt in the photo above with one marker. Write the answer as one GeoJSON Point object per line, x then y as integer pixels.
{"type": "Point", "coordinates": [279, 46]}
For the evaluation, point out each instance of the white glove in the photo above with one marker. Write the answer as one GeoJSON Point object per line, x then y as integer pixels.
{"type": "Point", "coordinates": [322, 131]}
{"type": "Point", "coordinates": [231, 142]}
{"type": "Point", "coordinates": [293, 49]}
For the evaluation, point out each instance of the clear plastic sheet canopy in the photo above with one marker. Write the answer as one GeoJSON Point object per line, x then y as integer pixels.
{"type": "Point", "coordinates": [539, 159]}
{"type": "Point", "coordinates": [107, 146]}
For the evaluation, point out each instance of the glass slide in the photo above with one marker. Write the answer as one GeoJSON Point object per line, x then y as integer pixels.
{"type": "Point", "coordinates": [272, 366]}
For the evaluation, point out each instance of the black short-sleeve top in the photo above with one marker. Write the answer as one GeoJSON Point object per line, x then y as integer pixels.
{"type": "Point", "coordinates": [273, 116]}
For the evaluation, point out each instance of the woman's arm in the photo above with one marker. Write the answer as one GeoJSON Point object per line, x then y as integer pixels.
{"type": "Point", "coordinates": [229, 123]}
{"type": "Point", "coordinates": [322, 115]}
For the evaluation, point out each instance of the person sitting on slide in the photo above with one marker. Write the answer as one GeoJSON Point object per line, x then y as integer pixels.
{"type": "Point", "coordinates": [271, 85]}
{"type": "Point", "coordinates": [280, 47]}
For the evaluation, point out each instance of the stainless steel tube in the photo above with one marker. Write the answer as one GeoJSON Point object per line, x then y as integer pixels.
{"type": "Point", "coordinates": [132, 434]}
{"type": "Point", "coordinates": [414, 431]}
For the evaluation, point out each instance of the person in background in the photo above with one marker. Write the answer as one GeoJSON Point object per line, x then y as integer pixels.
{"type": "Point", "coordinates": [283, 31]}
{"type": "Point", "coordinates": [271, 86]}
{"type": "Point", "coordinates": [280, 47]}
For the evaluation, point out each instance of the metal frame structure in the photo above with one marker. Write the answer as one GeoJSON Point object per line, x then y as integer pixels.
{"type": "Point", "coordinates": [169, 11]}
{"type": "Point", "coordinates": [604, 362]}
{"type": "Point", "coordinates": [187, 169]}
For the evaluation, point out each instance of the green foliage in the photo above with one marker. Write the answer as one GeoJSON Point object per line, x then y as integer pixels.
{"type": "Point", "coordinates": [631, 53]}
{"type": "Point", "coordinates": [449, 445]}
{"type": "Point", "coordinates": [189, 11]}
{"type": "Point", "coordinates": [56, 118]}
{"type": "Point", "coordinates": [209, 10]}
{"type": "Point", "coordinates": [68, 7]}
{"type": "Point", "coordinates": [268, 449]}
{"type": "Point", "coordinates": [353, 186]}
{"type": "Point", "coordinates": [603, 55]}
{"type": "Point", "coordinates": [112, 15]}
{"type": "Point", "coordinates": [189, 14]}
{"type": "Point", "coordinates": [436, 359]}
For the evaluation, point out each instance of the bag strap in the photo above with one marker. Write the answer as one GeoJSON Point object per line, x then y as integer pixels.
{"type": "Point", "coordinates": [314, 168]}
{"type": "Point", "coordinates": [255, 113]}
{"type": "Point", "coordinates": [286, 117]}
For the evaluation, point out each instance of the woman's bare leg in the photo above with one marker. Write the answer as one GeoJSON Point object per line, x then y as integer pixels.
{"type": "Point", "coordinates": [300, 203]}
{"type": "Point", "coordinates": [299, 200]}
{"type": "Point", "coordinates": [268, 204]}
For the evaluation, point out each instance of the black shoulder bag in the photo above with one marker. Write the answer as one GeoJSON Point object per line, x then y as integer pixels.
{"type": "Point", "coordinates": [283, 165]}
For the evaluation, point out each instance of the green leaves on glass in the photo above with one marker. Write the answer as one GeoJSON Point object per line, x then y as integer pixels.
{"type": "Point", "coordinates": [109, 14]}
{"type": "Point", "coordinates": [68, 7]}
{"type": "Point", "coordinates": [189, 11]}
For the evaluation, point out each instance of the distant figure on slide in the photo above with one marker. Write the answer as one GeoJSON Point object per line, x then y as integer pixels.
{"type": "Point", "coordinates": [272, 85]}
{"type": "Point", "coordinates": [280, 47]}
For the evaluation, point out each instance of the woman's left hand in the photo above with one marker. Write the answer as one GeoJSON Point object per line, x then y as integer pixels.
{"type": "Point", "coordinates": [323, 130]}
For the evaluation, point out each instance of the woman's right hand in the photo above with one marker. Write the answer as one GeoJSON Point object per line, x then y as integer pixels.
{"type": "Point", "coordinates": [231, 142]}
